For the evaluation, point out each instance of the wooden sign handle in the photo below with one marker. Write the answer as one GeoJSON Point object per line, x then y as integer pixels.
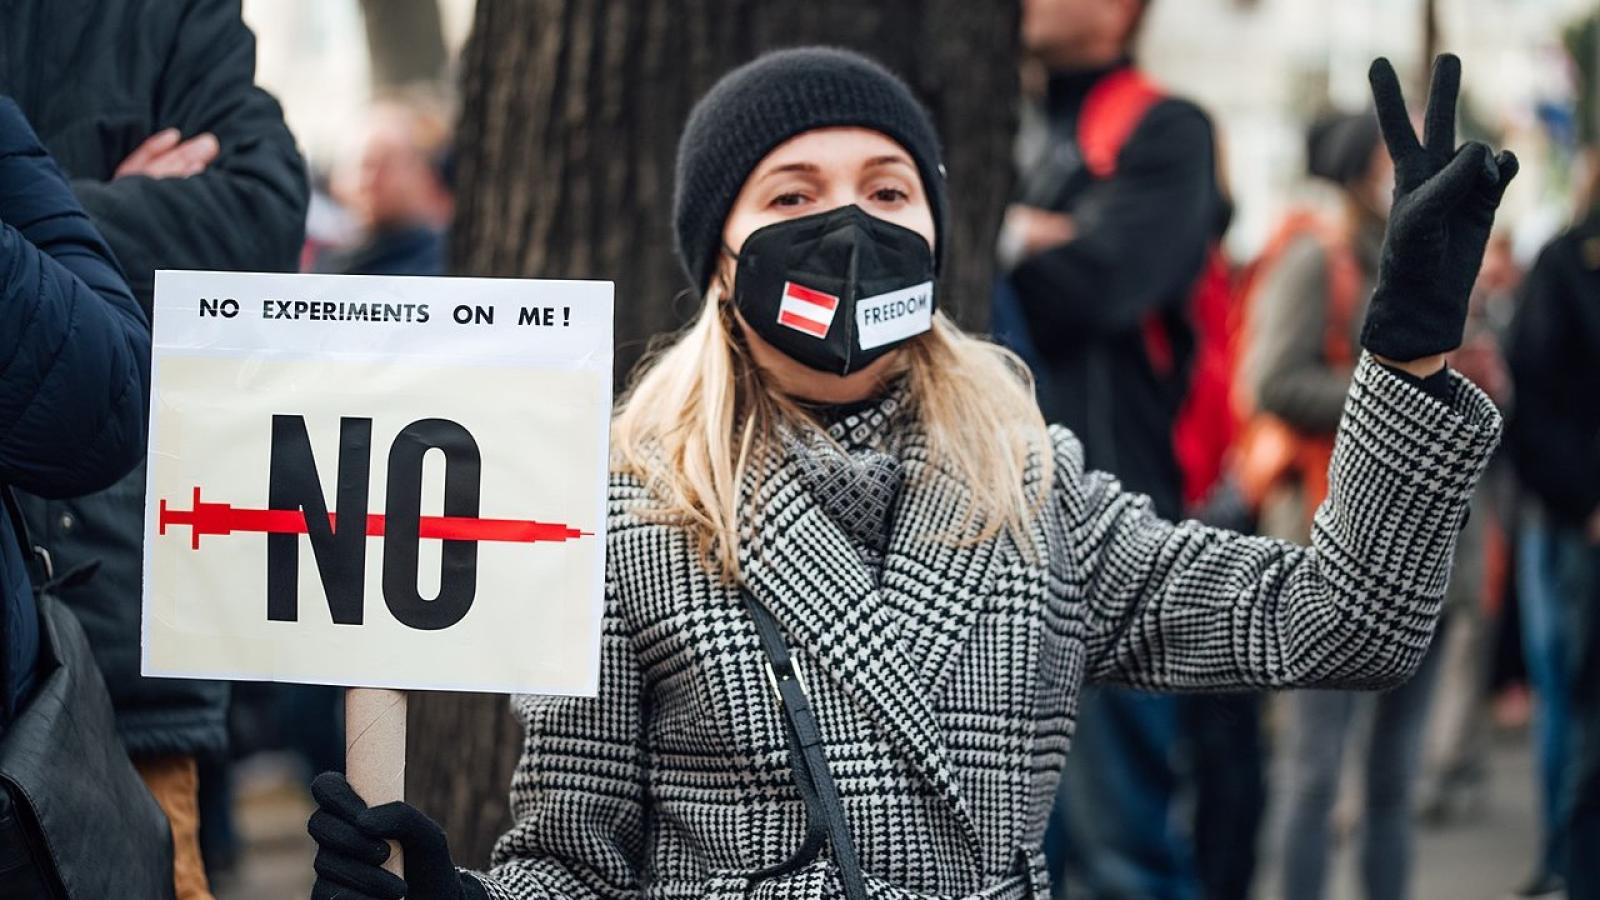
{"type": "Point", "coordinates": [375, 751]}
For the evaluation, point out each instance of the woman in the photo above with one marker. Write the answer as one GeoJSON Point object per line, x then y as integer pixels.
{"type": "Point", "coordinates": [823, 465]}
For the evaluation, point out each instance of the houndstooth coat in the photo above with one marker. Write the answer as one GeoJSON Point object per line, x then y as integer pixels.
{"type": "Point", "coordinates": [947, 694]}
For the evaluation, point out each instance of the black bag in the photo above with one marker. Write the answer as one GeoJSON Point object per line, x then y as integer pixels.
{"type": "Point", "coordinates": [76, 821]}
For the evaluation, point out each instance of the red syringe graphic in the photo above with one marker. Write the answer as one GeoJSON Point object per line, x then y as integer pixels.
{"type": "Point", "coordinates": [224, 518]}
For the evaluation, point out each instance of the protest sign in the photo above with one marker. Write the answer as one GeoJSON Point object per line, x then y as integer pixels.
{"type": "Point", "coordinates": [378, 481]}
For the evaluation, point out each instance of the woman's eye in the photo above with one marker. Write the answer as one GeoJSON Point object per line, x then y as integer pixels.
{"type": "Point", "coordinates": [793, 198]}
{"type": "Point", "coordinates": [890, 195]}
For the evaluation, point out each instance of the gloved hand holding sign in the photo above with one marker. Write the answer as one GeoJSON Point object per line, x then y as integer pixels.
{"type": "Point", "coordinates": [1444, 203]}
{"type": "Point", "coordinates": [352, 845]}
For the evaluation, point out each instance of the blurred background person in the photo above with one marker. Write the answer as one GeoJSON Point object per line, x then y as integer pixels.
{"type": "Point", "coordinates": [182, 163]}
{"type": "Point", "coordinates": [1555, 439]}
{"type": "Point", "coordinates": [1117, 214]}
{"type": "Point", "coordinates": [1455, 765]}
{"type": "Point", "coordinates": [395, 187]}
{"type": "Point", "coordinates": [1301, 345]}
{"type": "Point", "coordinates": [1554, 443]}
{"type": "Point", "coordinates": [1303, 313]}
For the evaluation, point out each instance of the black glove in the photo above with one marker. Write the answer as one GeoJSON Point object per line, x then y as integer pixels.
{"type": "Point", "coordinates": [1444, 203]}
{"type": "Point", "coordinates": [352, 843]}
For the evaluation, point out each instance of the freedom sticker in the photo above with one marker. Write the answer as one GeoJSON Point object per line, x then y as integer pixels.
{"type": "Point", "coordinates": [894, 316]}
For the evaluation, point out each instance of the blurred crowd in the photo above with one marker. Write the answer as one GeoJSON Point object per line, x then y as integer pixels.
{"type": "Point", "coordinates": [1212, 383]}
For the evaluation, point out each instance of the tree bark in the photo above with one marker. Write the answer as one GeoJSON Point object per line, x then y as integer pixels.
{"type": "Point", "coordinates": [405, 42]}
{"type": "Point", "coordinates": [460, 749]}
{"type": "Point", "coordinates": [571, 111]}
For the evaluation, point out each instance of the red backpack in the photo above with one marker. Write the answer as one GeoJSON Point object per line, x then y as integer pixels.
{"type": "Point", "coordinates": [1206, 426]}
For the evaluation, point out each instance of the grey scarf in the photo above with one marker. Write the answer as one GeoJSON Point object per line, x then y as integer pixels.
{"type": "Point", "coordinates": [854, 472]}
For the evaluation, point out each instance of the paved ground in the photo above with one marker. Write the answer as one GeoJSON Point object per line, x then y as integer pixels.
{"type": "Point", "coordinates": [1479, 859]}
{"type": "Point", "coordinates": [1494, 851]}
{"type": "Point", "coordinates": [1484, 855]}
{"type": "Point", "coordinates": [275, 862]}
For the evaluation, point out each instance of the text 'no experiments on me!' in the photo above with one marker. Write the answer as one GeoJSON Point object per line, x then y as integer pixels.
{"type": "Point", "coordinates": [404, 313]}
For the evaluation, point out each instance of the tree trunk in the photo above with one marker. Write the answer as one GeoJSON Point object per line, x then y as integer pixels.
{"type": "Point", "coordinates": [571, 111]}
{"type": "Point", "coordinates": [460, 749]}
{"type": "Point", "coordinates": [405, 42]}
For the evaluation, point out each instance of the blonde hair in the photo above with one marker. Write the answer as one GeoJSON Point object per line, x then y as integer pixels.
{"type": "Point", "coordinates": [701, 417]}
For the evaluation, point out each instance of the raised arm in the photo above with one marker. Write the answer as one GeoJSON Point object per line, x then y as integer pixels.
{"type": "Point", "coordinates": [1186, 607]}
{"type": "Point", "coordinates": [74, 346]}
{"type": "Point", "coordinates": [1183, 606]}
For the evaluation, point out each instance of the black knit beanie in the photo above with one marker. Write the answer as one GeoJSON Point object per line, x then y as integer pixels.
{"type": "Point", "coordinates": [763, 103]}
{"type": "Point", "coordinates": [1339, 146]}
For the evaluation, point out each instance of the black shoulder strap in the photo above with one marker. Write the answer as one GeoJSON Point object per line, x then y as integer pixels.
{"type": "Point", "coordinates": [42, 572]}
{"type": "Point", "coordinates": [19, 529]}
{"type": "Point", "coordinates": [825, 818]}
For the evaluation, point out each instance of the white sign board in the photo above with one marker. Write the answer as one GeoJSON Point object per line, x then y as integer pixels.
{"type": "Point", "coordinates": [378, 481]}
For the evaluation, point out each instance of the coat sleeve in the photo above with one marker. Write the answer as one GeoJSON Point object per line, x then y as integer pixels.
{"type": "Point", "coordinates": [1141, 241]}
{"type": "Point", "coordinates": [1288, 371]}
{"type": "Point", "coordinates": [1186, 607]}
{"type": "Point", "coordinates": [74, 346]}
{"type": "Point", "coordinates": [577, 796]}
{"type": "Point", "coordinates": [246, 211]}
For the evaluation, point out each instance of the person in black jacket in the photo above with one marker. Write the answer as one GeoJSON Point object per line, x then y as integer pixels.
{"type": "Point", "coordinates": [1555, 442]}
{"type": "Point", "coordinates": [74, 353]}
{"type": "Point", "coordinates": [182, 163]}
{"type": "Point", "coordinates": [1096, 261]}
{"type": "Point", "coordinates": [75, 349]}
{"type": "Point", "coordinates": [1093, 258]}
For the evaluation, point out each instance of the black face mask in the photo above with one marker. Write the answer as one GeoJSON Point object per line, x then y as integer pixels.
{"type": "Point", "coordinates": [836, 290]}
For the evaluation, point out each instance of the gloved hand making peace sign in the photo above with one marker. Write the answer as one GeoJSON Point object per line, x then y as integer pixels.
{"type": "Point", "coordinates": [1444, 202]}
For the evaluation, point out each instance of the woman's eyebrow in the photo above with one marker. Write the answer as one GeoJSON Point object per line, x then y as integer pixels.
{"type": "Point", "coordinates": [890, 160]}
{"type": "Point", "coordinates": [803, 167]}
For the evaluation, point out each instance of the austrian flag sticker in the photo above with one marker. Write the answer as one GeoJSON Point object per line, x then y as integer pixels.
{"type": "Point", "coordinates": [804, 309]}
